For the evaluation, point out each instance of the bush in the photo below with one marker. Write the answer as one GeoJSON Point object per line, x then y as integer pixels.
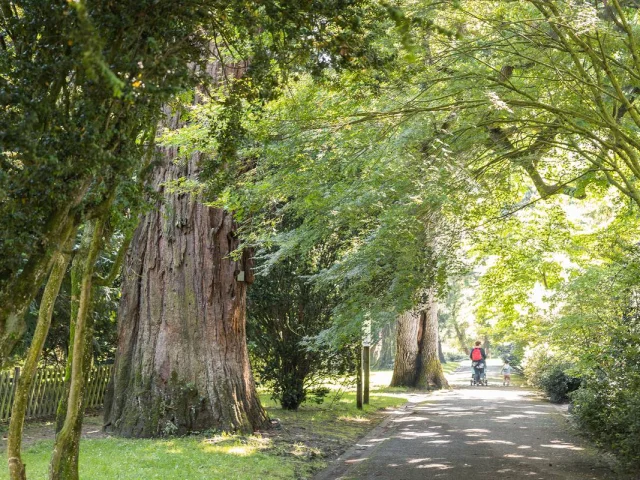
{"type": "Point", "coordinates": [546, 369]}
{"type": "Point", "coordinates": [611, 416]}
{"type": "Point", "coordinates": [284, 312]}
{"type": "Point", "coordinates": [557, 383]}
{"type": "Point", "coordinates": [608, 405]}
{"type": "Point", "coordinates": [455, 356]}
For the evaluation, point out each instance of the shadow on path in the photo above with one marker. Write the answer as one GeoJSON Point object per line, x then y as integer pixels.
{"type": "Point", "coordinates": [476, 433]}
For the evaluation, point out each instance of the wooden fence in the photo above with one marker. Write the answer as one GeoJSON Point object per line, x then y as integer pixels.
{"type": "Point", "coordinates": [47, 390]}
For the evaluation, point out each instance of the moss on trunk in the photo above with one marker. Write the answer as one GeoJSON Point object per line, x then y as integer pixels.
{"type": "Point", "coordinates": [417, 363]}
{"type": "Point", "coordinates": [64, 461]}
{"type": "Point", "coordinates": [17, 470]}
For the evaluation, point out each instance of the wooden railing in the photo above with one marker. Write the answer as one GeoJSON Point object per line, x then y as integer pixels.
{"type": "Point", "coordinates": [47, 390]}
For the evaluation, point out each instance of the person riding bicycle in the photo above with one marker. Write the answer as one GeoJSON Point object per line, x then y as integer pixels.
{"type": "Point", "coordinates": [477, 356]}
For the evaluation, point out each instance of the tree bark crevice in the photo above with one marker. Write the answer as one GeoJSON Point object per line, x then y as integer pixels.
{"type": "Point", "coordinates": [417, 364]}
{"type": "Point", "coordinates": [182, 363]}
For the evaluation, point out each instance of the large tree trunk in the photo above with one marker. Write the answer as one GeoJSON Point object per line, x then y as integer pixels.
{"type": "Point", "coordinates": [404, 368]}
{"type": "Point", "coordinates": [182, 363]}
{"type": "Point", "coordinates": [429, 368]}
{"type": "Point", "coordinates": [417, 363]}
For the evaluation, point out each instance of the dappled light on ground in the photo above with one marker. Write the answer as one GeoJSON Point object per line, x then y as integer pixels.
{"type": "Point", "coordinates": [488, 432]}
{"type": "Point", "coordinates": [228, 457]}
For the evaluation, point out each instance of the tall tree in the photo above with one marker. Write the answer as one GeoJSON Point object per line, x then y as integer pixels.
{"type": "Point", "coordinates": [82, 89]}
{"type": "Point", "coordinates": [64, 462]}
{"type": "Point", "coordinates": [17, 468]}
{"type": "Point", "coordinates": [81, 94]}
{"type": "Point", "coordinates": [182, 363]}
{"type": "Point", "coordinates": [417, 363]}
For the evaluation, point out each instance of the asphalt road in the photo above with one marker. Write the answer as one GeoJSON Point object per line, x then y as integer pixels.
{"type": "Point", "coordinates": [475, 433]}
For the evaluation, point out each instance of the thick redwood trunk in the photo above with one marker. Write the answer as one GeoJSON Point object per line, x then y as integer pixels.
{"type": "Point", "coordinates": [417, 363]}
{"type": "Point", "coordinates": [182, 363]}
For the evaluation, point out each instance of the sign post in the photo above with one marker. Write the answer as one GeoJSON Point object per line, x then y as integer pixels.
{"type": "Point", "coordinates": [366, 358]}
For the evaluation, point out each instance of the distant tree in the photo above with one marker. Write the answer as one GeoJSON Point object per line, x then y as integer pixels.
{"type": "Point", "coordinates": [417, 361]}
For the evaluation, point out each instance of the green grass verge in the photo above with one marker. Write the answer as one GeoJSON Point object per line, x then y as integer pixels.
{"type": "Point", "coordinates": [180, 458]}
{"type": "Point", "coordinates": [337, 420]}
{"type": "Point", "coordinates": [305, 441]}
{"type": "Point", "coordinates": [450, 366]}
{"type": "Point", "coordinates": [300, 447]}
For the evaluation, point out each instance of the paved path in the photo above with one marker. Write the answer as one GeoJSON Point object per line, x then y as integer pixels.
{"type": "Point", "coordinates": [474, 433]}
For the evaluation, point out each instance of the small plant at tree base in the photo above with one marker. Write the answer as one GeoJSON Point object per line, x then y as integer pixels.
{"type": "Point", "coordinates": [285, 312]}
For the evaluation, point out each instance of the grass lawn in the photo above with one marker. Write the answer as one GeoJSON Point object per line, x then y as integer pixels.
{"type": "Point", "coordinates": [304, 442]}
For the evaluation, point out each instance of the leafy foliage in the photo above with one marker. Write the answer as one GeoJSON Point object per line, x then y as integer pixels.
{"type": "Point", "coordinates": [286, 313]}
{"type": "Point", "coordinates": [82, 88]}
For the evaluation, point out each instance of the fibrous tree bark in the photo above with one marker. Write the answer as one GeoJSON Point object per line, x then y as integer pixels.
{"type": "Point", "coordinates": [417, 363]}
{"type": "Point", "coordinates": [182, 363]}
{"type": "Point", "coordinates": [404, 367]}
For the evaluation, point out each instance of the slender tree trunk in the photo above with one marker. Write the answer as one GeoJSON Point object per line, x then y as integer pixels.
{"type": "Point", "coordinates": [440, 352]}
{"type": "Point", "coordinates": [366, 371]}
{"type": "Point", "coordinates": [182, 363]}
{"type": "Point", "coordinates": [17, 469]}
{"type": "Point", "coordinates": [487, 346]}
{"type": "Point", "coordinates": [461, 336]}
{"type": "Point", "coordinates": [64, 461]}
{"type": "Point", "coordinates": [77, 267]}
{"type": "Point", "coordinates": [429, 368]}
{"type": "Point", "coordinates": [384, 351]}
{"type": "Point", "coordinates": [404, 367]}
{"type": "Point", "coordinates": [18, 291]}
{"type": "Point", "coordinates": [359, 380]}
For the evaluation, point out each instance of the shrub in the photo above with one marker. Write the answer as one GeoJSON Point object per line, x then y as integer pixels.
{"type": "Point", "coordinates": [546, 369]}
{"type": "Point", "coordinates": [285, 312]}
{"type": "Point", "coordinates": [608, 405]}
{"type": "Point", "coordinates": [557, 383]}
{"type": "Point", "coordinates": [455, 356]}
{"type": "Point", "coordinates": [611, 416]}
